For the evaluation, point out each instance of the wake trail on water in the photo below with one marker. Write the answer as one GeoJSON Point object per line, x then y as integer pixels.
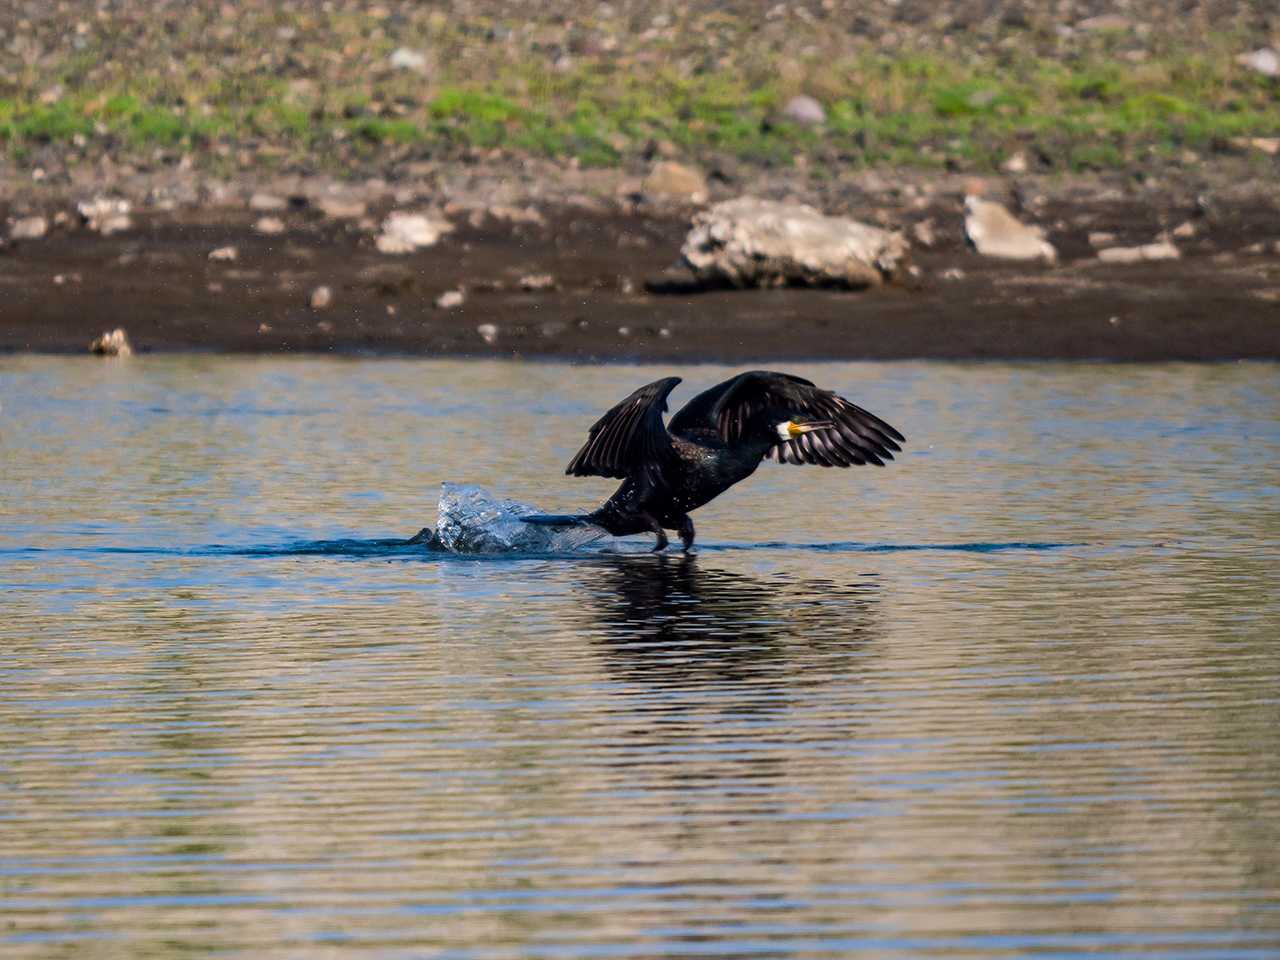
{"type": "Point", "coordinates": [472, 522]}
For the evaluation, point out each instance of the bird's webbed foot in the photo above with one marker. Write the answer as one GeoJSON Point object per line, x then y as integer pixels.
{"type": "Point", "coordinates": [686, 533]}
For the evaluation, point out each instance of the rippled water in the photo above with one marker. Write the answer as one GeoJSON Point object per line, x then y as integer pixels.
{"type": "Point", "coordinates": [1016, 694]}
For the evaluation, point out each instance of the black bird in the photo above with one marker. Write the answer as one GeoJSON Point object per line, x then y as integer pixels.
{"type": "Point", "coordinates": [719, 438]}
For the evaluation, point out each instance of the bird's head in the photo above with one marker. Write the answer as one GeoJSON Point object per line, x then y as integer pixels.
{"type": "Point", "coordinates": [794, 427]}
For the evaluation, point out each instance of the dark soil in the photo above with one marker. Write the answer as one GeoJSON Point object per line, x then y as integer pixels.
{"type": "Point", "coordinates": [1221, 301]}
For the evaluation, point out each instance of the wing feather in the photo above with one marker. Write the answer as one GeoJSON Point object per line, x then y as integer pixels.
{"type": "Point", "coordinates": [630, 437]}
{"type": "Point", "coordinates": [857, 437]}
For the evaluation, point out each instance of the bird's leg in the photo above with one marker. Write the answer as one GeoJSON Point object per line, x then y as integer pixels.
{"type": "Point", "coordinates": [656, 527]}
{"type": "Point", "coordinates": [686, 532]}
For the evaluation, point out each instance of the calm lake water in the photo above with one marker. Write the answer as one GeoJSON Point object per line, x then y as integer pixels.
{"type": "Point", "coordinates": [1016, 694]}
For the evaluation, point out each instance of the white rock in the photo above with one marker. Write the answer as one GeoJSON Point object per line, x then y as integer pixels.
{"type": "Point", "coordinates": [1264, 60]}
{"type": "Point", "coordinates": [1015, 164]}
{"type": "Point", "coordinates": [450, 299]}
{"type": "Point", "coordinates": [488, 332]}
{"type": "Point", "coordinates": [405, 58]}
{"type": "Point", "coordinates": [750, 242]}
{"type": "Point", "coordinates": [267, 201]}
{"type": "Point", "coordinates": [224, 254]}
{"type": "Point", "coordinates": [805, 111]}
{"type": "Point", "coordinates": [112, 343]}
{"type": "Point", "coordinates": [1160, 250]}
{"type": "Point", "coordinates": [669, 180]}
{"type": "Point", "coordinates": [321, 298]}
{"type": "Point", "coordinates": [29, 228]}
{"type": "Point", "coordinates": [406, 232]}
{"type": "Point", "coordinates": [105, 215]}
{"type": "Point", "coordinates": [995, 232]}
{"type": "Point", "coordinates": [537, 281]}
{"type": "Point", "coordinates": [269, 226]}
{"type": "Point", "coordinates": [1100, 238]}
{"type": "Point", "coordinates": [342, 208]}
{"type": "Point", "coordinates": [923, 234]}
{"type": "Point", "coordinates": [1184, 230]}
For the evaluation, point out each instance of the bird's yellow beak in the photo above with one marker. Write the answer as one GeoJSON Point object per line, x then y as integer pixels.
{"type": "Point", "coordinates": [796, 429]}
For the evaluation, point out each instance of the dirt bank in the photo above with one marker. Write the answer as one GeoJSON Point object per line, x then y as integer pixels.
{"type": "Point", "coordinates": [612, 295]}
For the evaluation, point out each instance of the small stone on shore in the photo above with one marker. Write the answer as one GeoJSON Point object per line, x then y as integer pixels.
{"type": "Point", "coordinates": [1160, 250]}
{"type": "Point", "coordinates": [450, 299]}
{"type": "Point", "coordinates": [264, 202]}
{"type": "Point", "coordinates": [488, 332]}
{"type": "Point", "coordinates": [269, 226]}
{"type": "Point", "coordinates": [1264, 60]}
{"type": "Point", "coordinates": [342, 208]}
{"type": "Point", "coordinates": [29, 228]}
{"type": "Point", "coordinates": [805, 110]}
{"type": "Point", "coordinates": [321, 298]}
{"type": "Point", "coordinates": [995, 232]}
{"type": "Point", "coordinates": [224, 254]}
{"type": "Point", "coordinates": [105, 215]}
{"type": "Point", "coordinates": [406, 232]}
{"type": "Point", "coordinates": [669, 181]}
{"type": "Point", "coordinates": [405, 58]}
{"type": "Point", "coordinates": [112, 343]}
{"type": "Point", "coordinates": [537, 281]}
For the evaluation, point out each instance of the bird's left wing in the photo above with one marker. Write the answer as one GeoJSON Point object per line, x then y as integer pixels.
{"type": "Point", "coordinates": [855, 436]}
{"type": "Point", "coordinates": [630, 437]}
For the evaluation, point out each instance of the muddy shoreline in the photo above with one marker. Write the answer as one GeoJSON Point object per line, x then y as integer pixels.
{"type": "Point", "coordinates": [615, 297]}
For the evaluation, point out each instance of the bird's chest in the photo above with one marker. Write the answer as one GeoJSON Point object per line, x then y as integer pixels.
{"type": "Point", "coordinates": [705, 472]}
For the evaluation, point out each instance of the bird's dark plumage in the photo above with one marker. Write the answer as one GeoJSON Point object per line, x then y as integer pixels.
{"type": "Point", "coordinates": [717, 439]}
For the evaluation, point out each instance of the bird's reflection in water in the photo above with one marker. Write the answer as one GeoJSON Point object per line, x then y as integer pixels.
{"type": "Point", "coordinates": [727, 687]}
{"type": "Point", "coordinates": [680, 621]}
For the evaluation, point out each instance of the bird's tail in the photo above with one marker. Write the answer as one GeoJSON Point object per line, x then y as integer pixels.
{"type": "Point", "coordinates": [557, 519]}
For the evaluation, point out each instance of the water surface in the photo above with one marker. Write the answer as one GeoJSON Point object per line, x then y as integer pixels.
{"type": "Point", "coordinates": [1015, 694]}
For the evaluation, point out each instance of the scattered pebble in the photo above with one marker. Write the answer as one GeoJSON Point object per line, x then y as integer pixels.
{"type": "Point", "coordinates": [406, 232]}
{"type": "Point", "coordinates": [324, 326]}
{"type": "Point", "coordinates": [1264, 60]}
{"type": "Point", "coordinates": [29, 228]}
{"type": "Point", "coordinates": [267, 201]}
{"type": "Point", "coordinates": [1015, 164]}
{"type": "Point", "coordinates": [1268, 145]}
{"type": "Point", "coordinates": [517, 214]}
{"type": "Point", "coordinates": [805, 111]}
{"type": "Point", "coordinates": [669, 180]}
{"type": "Point", "coordinates": [1184, 230]}
{"type": "Point", "coordinates": [321, 298]}
{"type": "Point", "coordinates": [923, 234]}
{"type": "Point", "coordinates": [341, 208]}
{"type": "Point", "coordinates": [488, 332]}
{"type": "Point", "coordinates": [112, 343]}
{"type": "Point", "coordinates": [1161, 250]}
{"type": "Point", "coordinates": [952, 273]}
{"type": "Point", "coordinates": [105, 215]}
{"type": "Point", "coordinates": [405, 58]}
{"type": "Point", "coordinates": [269, 226]}
{"type": "Point", "coordinates": [995, 232]}
{"type": "Point", "coordinates": [224, 254]}
{"type": "Point", "coordinates": [450, 299]}
{"type": "Point", "coordinates": [1101, 238]}
{"type": "Point", "coordinates": [537, 281]}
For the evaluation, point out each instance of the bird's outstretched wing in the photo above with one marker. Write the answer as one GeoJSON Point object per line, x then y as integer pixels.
{"type": "Point", "coordinates": [856, 437]}
{"type": "Point", "coordinates": [629, 437]}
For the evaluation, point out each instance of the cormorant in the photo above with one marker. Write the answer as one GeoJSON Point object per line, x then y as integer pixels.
{"type": "Point", "coordinates": [717, 439]}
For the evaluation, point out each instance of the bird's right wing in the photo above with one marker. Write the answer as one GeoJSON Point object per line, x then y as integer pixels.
{"type": "Point", "coordinates": [629, 437]}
